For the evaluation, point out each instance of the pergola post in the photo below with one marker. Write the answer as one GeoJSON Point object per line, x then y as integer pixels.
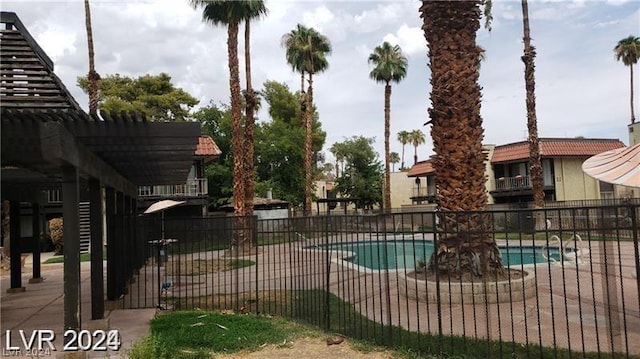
{"type": "Point", "coordinates": [35, 229]}
{"type": "Point", "coordinates": [110, 209]}
{"type": "Point", "coordinates": [120, 240]}
{"type": "Point", "coordinates": [71, 233]}
{"type": "Point", "coordinates": [97, 277]}
{"type": "Point", "coordinates": [14, 250]}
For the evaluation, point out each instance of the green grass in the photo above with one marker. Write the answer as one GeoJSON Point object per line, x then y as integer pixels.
{"type": "Point", "coordinates": [342, 317]}
{"type": "Point", "coordinates": [84, 257]}
{"type": "Point", "coordinates": [198, 334]}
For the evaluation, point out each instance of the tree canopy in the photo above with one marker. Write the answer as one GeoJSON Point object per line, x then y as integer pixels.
{"type": "Point", "coordinates": [278, 143]}
{"type": "Point", "coordinates": [363, 172]}
{"type": "Point", "coordinates": [152, 95]}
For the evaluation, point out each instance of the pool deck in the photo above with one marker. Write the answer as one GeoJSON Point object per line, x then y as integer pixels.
{"type": "Point", "coordinates": [569, 310]}
{"type": "Point", "coordinates": [40, 306]}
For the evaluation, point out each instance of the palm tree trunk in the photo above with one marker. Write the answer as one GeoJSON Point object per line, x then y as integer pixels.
{"type": "Point", "coordinates": [464, 246]}
{"type": "Point", "coordinates": [93, 76]}
{"type": "Point", "coordinates": [236, 137]}
{"type": "Point", "coordinates": [387, 153]}
{"type": "Point", "coordinates": [415, 153]}
{"type": "Point", "coordinates": [249, 125]}
{"type": "Point", "coordinates": [308, 149]}
{"type": "Point", "coordinates": [535, 164]}
{"type": "Point", "coordinates": [633, 116]}
{"type": "Point", "coordinates": [402, 165]}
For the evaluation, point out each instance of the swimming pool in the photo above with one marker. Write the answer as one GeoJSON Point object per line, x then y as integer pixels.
{"type": "Point", "coordinates": [394, 255]}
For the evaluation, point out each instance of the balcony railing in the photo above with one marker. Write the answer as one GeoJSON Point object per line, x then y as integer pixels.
{"type": "Point", "coordinates": [424, 191]}
{"type": "Point", "coordinates": [509, 183]}
{"type": "Point", "coordinates": [197, 187]}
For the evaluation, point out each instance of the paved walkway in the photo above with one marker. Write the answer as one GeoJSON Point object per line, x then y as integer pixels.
{"type": "Point", "coordinates": [40, 306]}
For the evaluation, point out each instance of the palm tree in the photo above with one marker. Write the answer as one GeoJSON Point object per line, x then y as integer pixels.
{"type": "Point", "coordinates": [454, 59]}
{"type": "Point", "coordinates": [403, 137]}
{"type": "Point", "coordinates": [256, 9]}
{"type": "Point", "coordinates": [628, 50]}
{"type": "Point", "coordinates": [390, 65]}
{"type": "Point", "coordinates": [535, 163]}
{"type": "Point", "coordinates": [417, 138]}
{"type": "Point", "coordinates": [394, 158]}
{"type": "Point", "coordinates": [337, 149]}
{"type": "Point", "coordinates": [306, 51]}
{"type": "Point", "coordinates": [231, 13]}
{"type": "Point", "coordinates": [93, 76]}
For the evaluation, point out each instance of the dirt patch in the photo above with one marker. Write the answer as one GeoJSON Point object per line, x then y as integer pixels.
{"type": "Point", "coordinates": [507, 274]}
{"type": "Point", "coordinates": [201, 266]}
{"type": "Point", "coordinates": [311, 348]}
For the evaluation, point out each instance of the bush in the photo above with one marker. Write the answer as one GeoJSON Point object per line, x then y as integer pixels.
{"type": "Point", "coordinates": [55, 228]}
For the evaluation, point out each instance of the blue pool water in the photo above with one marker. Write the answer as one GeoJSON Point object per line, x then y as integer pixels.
{"type": "Point", "coordinates": [405, 254]}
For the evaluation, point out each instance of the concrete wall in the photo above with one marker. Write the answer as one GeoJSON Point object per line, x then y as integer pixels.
{"type": "Point", "coordinates": [571, 182]}
{"type": "Point", "coordinates": [634, 133]}
{"type": "Point", "coordinates": [401, 189]}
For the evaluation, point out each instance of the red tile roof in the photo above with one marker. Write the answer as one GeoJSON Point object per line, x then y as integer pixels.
{"type": "Point", "coordinates": [555, 147]}
{"type": "Point", "coordinates": [421, 168]}
{"type": "Point", "coordinates": [207, 148]}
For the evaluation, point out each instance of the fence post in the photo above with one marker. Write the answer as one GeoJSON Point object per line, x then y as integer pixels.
{"type": "Point", "coordinates": [610, 291]}
{"type": "Point", "coordinates": [634, 230]}
{"type": "Point", "coordinates": [327, 308]}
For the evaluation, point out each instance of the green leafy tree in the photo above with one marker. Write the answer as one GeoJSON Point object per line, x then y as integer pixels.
{"type": "Point", "coordinates": [306, 52]}
{"type": "Point", "coordinates": [628, 51]}
{"type": "Point", "coordinates": [390, 66]}
{"type": "Point", "coordinates": [280, 144]}
{"type": "Point", "coordinates": [152, 95]}
{"type": "Point", "coordinates": [363, 174]}
{"type": "Point", "coordinates": [216, 122]}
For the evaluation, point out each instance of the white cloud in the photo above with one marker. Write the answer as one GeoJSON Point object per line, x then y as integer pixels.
{"type": "Point", "coordinates": [318, 18]}
{"type": "Point", "coordinates": [410, 39]}
{"type": "Point", "coordinates": [580, 90]}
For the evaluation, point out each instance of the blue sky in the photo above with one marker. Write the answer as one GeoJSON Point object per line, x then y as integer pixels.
{"type": "Point", "coordinates": [581, 90]}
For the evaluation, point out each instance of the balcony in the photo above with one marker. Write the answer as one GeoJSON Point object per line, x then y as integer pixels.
{"type": "Point", "coordinates": [424, 191]}
{"type": "Point", "coordinates": [513, 183]}
{"type": "Point", "coordinates": [197, 187]}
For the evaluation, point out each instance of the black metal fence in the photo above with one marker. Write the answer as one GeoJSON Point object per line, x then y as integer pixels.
{"type": "Point", "coordinates": [570, 289]}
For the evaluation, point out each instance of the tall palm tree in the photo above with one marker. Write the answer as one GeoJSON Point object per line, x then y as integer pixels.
{"type": "Point", "coordinates": [93, 76]}
{"type": "Point", "coordinates": [390, 65]}
{"type": "Point", "coordinates": [338, 152]}
{"type": "Point", "coordinates": [454, 58]}
{"type": "Point", "coordinates": [394, 158]}
{"type": "Point", "coordinates": [403, 138]}
{"type": "Point", "coordinates": [231, 13]}
{"type": "Point", "coordinates": [256, 9]}
{"type": "Point", "coordinates": [628, 50]}
{"type": "Point", "coordinates": [535, 163]}
{"type": "Point", "coordinates": [306, 52]}
{"type": "Point", "coordinates": [417, 138]}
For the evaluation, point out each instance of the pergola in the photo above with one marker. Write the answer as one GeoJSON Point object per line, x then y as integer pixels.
{"type": "Point", "coordinates": [49, 142]}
